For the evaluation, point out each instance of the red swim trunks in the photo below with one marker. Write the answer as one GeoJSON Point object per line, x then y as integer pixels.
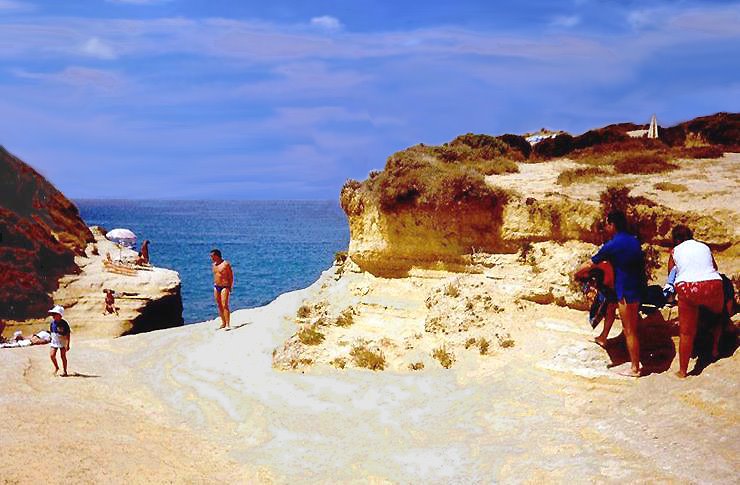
{"type": "Point", "coordinates": [708, 294]}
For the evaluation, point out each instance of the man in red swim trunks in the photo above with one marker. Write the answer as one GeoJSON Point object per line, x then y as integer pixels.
{"type": "Point", "coordinates": [223, 282]}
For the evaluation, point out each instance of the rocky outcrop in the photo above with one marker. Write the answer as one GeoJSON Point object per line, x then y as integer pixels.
{"type": "Point", "coordinates": [41, 232]}
{"type": "Point", "coordinates": [146, 298]}
{"type": "Point", "coordinates": [49, 256]}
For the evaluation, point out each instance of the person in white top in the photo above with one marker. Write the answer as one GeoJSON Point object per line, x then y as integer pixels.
{"type": "Point", "coordinates": [698, 284]}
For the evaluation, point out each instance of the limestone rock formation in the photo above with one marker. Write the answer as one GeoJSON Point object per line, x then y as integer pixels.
{"type": "Point", "coordinates": [49, 256]}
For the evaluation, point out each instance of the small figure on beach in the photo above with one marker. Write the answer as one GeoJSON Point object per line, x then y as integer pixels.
{"type": "Point", "coordinates": [61, 336]}
{"type": "Point", "coordinates": [110, 302]}
{"type": "Point", "coordinates": [223, 282]}
{"type": "Point", "coordinates": [143, 257]}
{"type": "Point", "coordinates": [698, 285]}
{"type": "Point", "coordinates": [624, 253]}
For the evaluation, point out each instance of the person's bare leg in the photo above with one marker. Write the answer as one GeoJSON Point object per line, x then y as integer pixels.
{"type": "Point", "coordinates": [687, 318]}
{"type": "Point", "coordinates": [217, 297]}
{"type": "Point", "coordinates": [611, 313]}
{"type": "Point", "coordinates": [53, 357]}
{"type": "Point", "coordinates": [225, 295]}
{"type": "Point", "coordinates": [63, 351]}
{"type": "Point", "coordinates": [629, 317]}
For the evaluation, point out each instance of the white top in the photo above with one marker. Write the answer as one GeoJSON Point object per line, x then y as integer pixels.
{"type": "Point", "coordinates": [694, 262]}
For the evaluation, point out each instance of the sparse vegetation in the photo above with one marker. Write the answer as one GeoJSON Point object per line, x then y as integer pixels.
{"type": "Point", "coordinates": [304, 311]}
{"type": "Point", "coordinates": [670, 187]}
{"type": "Point", "coordinates": [339, 362]}
{"type": "Point", "coordinates": [452, 290]}
{"type": "Point", "coordinates": [446, 359]}
{"type": "Point", "coordinates": [469, 343]}
{"type": "Point", "coordinates": [346, 317]}
{"type": "Point", "coordinates": [507, 342]}
{"type": "Point", "coordinates": [340, 257]}
{"type": "Point", "coordinates": [581, 175]}
{"type": "Point", "coordinates": [643, 163]}
{"type": "Point", "coordinates": [483, 345]}
{"type": "Point", "coordinates": [309, 335]}
{"type": "Point", "coordinates": [366, 358]}
{"type": "Point", "coordinates": [416, 366]}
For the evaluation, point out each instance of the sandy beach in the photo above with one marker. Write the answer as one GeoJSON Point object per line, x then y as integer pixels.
{"type": "Point", "coordinates": [196, 405]}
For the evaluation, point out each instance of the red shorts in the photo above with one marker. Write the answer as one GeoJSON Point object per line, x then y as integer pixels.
{"type": "Point", "coordinates": [708, 294]}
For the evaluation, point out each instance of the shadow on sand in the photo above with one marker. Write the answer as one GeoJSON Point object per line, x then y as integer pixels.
{"type": "Point", "coordinates": [658, 349]}
{"type": "Point", "coordinates": [79, 374]}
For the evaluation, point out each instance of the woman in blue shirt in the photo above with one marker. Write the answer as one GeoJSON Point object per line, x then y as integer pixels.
{"type": "Point", "coordinates": [624, 253]}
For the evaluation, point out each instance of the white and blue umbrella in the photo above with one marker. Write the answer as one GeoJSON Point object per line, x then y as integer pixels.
{"type": "Point", "coordinates": [124, 237]}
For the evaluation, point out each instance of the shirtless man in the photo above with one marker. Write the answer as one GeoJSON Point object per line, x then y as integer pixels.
{"type": "Point", "coordinates": [223, 282]}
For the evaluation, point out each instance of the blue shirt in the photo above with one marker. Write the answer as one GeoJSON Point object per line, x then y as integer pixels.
{"type": "Point", "coordinates": [624, 253]}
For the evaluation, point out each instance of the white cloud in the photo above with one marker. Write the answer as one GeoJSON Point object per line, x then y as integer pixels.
{"type": "Point", "coordinates": [326, 22]}
{"type": "Point", "coordinates": [566, 21]}
{"type": "Point", "coordinates": [97, 48]}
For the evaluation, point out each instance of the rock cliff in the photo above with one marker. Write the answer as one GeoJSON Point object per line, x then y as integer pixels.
{"type": "Point", "coordinates": [49, 256]}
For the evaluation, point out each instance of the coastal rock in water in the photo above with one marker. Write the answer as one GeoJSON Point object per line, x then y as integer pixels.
{"type": "Point", "coordinates": [147, 298]}
{"type": "Point", "coordinates": [49, 256]}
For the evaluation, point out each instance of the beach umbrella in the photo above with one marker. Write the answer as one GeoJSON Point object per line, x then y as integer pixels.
{"type": "Point", "coordinates": [124, 237]}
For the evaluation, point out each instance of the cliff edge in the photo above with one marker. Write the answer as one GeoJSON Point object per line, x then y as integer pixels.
{"type": "Point", "coordinates": [49, 256]}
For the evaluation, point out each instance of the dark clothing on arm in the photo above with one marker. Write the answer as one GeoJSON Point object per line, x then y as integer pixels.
{"type": "Point", "coordinates": [60, 327]}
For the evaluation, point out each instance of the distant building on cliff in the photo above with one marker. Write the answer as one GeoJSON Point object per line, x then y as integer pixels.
{"type": "Point", "coordinates": [651, 132]}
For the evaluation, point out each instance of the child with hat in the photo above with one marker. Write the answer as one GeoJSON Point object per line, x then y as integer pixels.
{"type": "Point", "coordinates": [60, 338]}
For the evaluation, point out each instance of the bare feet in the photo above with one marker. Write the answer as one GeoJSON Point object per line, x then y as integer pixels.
{"type": "Point", "coordinates": [65, 374]}
{"type": "Point", "coordinates": [681, 375]}
{"type": "Point", "coordinates": [601, 342]}
{"type": "Point", "coordinates": [629, 372]}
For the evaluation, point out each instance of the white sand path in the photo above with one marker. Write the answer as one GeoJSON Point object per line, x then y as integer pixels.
{"type": "Point", "coordinates": [194, 404]}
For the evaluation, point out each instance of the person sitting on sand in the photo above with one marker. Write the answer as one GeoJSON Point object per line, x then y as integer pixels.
{"type": "Point", "coordinates": [143, 257]}
{"type": "Point", "coordinates": [110, 302]}
{"type": "Point", "coordinates": [698, 284]}
{"type": "Point", "coordinates": [223, 282]}
{"type": "Point", "coordinates": [624, 253]}
{"type": "Point", "coordinates": [61, 336]}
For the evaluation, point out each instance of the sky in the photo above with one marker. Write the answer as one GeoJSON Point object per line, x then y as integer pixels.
{"type": "Point", "coordinates": [278, 99]}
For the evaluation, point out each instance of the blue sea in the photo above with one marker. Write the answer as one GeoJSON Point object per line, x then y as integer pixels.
{"type": "Point", "coordinates": [273, 246]}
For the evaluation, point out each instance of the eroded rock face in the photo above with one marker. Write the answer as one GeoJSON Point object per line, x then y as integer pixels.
{"type": "Point", "coordinates": [40, 233]}
{"type": "Point", "coordinates": [391, 243]}
{"type": "Point", "coordinates": [49, 256]}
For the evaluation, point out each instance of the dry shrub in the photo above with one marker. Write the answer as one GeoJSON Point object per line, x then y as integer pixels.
{"type": "Point", "coordinates": [452, 290]}
{"type": "Point", "coordinates": [346, 317]}
{"type": "Point", "coordinates": [643, 163]}
{"type": "Point", "coordinates": [304, 311]}
{"type": "Point", "coordinates": [366, 358]}
{"type": "Point", "coordinates": [340, 257]}
{"type": "Point", "coordinates": [557, 146]}
{"type": "Point", "coordinates": [310, 335]}
{"type": "Point", "coordinates": [469, 343]}
{"type": "Point", "coordinates": [446, 359]}
{"type": "Point", "coordinates": [670, 187]}
{"type": "Point", "coordinates": [518, 143]}
{"type": "Point", "coordinates": [581, 175]}
{"type": "Point", "coordinates": [699, 152]}
{"type": "Point", "coordinates": [339, 362]}
{"type": "Point", "coordinates": [483, 345]}
{"type": "Point", "coordinates": [416, 366]}
{"type": "Point", "coordinates": [506, 342]}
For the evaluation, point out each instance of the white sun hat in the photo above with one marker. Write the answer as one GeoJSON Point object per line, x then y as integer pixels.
{"type": "Point", "coordinates": [57, 309]}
